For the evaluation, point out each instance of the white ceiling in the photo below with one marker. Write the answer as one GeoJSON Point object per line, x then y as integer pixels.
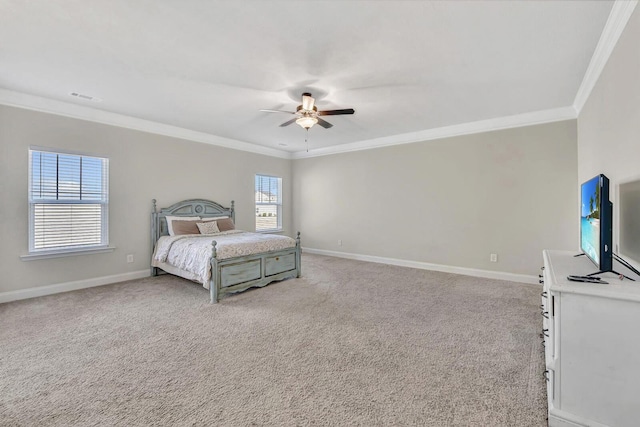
{"type": "Point", "coordinates": [209, 66]}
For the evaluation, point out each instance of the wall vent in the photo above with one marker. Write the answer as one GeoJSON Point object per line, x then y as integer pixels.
{"type": "Point", "coordinates": [85, 97]}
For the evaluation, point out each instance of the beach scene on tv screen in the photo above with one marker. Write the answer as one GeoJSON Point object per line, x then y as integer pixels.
{"type": "Point", "coordinates": [590, 219]}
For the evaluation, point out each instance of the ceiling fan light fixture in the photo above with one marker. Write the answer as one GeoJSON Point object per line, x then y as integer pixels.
{"type": "Point", "coordinates": [307, 121]}
{"type": "Point", "coordinates": [307, 114]}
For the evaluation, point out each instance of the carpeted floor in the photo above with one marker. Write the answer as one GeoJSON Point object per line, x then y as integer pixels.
{"type": "Point", "coordinates": [350, 343]}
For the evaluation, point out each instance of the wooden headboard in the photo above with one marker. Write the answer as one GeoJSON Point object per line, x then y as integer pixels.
{"type": "Point", "coordinates": [192, 207]}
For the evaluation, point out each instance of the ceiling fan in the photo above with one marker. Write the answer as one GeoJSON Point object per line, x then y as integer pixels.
{"type": "Point", "coordinates": [307, 113]}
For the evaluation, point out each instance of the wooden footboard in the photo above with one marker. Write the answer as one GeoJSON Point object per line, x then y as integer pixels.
{"type": "Point", "coordinates": [232, 274]}
{"type": "Point", "coordinates": [237, 274]}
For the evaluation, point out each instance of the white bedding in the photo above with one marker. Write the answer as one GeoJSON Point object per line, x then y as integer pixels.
{"type": "Point", "coordinates": [192, 253]}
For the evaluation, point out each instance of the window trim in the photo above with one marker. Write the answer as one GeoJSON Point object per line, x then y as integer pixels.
{"type": "Point", "coordinates": [103, 246]}
{"type": "Point", "coordinates": [279, 228]}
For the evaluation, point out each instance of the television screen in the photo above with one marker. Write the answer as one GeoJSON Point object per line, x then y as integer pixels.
{"type": "Point", "coordinates": [590, 219]}
{"type": "Point", "coordinates": [596, 223]}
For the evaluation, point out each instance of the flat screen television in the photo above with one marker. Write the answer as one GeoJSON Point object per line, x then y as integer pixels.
{"type": "Point", "coordinates": [596, 223]}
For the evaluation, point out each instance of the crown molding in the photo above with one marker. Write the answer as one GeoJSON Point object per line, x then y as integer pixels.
{"type": "Point", "coordinates": [36, 103]}
{"type": "Point", "coordinates": [66, 109]}
{"type": "Point", "coordinates": [617, 21]}
{"type": "Point", "coordinates": [500, 123]}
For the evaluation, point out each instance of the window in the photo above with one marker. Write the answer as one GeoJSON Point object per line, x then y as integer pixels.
{"type": "Point", "coordinates": [68, 202]}
{"type": "Point", "coordinates": [268, 203]}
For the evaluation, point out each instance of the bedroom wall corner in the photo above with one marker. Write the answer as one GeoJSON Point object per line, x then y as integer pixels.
{"type": "Point", "coordinates": [609, 123]}
{"type": "Point", "coordinates": [142, 166]}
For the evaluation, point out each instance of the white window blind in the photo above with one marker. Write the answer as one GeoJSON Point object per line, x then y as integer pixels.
{"type": "Point", "coordinates": [268, 203]}
{"type": "Point", "coordinates": [68, 201]}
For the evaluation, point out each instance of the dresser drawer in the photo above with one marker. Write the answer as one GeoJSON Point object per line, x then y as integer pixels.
{"type": "Point", "coordinates": [278, 264]}
{"type": "Point", "coordinates": [239, 273]}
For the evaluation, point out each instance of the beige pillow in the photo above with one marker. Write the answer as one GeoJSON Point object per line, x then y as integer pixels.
{"type": "Point", "coordinates": [184, 227]}
{"type": "Point", "coordinates": [210, 227]}
{"type": "Point", "coordinates": [226, 224]}
{"type": "Point", "coordinates": [170, 219]}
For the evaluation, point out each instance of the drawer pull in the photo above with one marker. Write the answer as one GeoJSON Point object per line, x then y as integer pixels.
{"type": "Point", "coordinates": [540, 281]}
{"type": "Point", "coordinates": [277, 258]}
{"type": "Point", "coordinates": [544, 294]}
{"type": "Point", "coordinates": [545, 314]}
{"type": "Point", "coordinates": [544, 333]}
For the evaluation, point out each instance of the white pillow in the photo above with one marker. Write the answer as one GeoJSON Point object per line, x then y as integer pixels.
{"type": "Point", "coordinates": [178, 218]}
{"type": "Point", "coordinates": [209, 227]}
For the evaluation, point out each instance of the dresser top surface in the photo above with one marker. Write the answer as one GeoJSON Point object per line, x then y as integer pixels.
{"type": "Point", "coordinates": [564, 263]}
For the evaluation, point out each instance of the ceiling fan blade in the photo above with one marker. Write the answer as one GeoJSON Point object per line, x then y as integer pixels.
{"type": "Point", "coordinates": [325, 124]}
{"type": "Point", "coordinates": [278, 111]}
{"type": "Point", "coordinates": [287, 123]}
{"type": "Point", "coordinates": [336, 112]}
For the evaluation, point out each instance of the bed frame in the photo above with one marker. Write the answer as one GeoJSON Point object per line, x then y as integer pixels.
{"type": "Point", "coordinates": [232, 274]}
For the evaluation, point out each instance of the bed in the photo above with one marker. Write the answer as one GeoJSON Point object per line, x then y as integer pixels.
{"type": "Point", "coordinates": [225, 262]}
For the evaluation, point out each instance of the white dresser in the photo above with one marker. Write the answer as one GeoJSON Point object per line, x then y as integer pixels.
{"type": "Point", "coordinates": [592, 345]}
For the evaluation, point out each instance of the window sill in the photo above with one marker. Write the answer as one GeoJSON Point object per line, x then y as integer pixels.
{"type": "Point", "coordinates": [60, 254]}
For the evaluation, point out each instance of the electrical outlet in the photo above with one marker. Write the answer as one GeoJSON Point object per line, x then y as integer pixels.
{"type": "Point", "coordinates": [130, 258]}
{"type": "Point", "coordinates": [339, 242]}
{"type": "Point", "coordinates": [494, 258]}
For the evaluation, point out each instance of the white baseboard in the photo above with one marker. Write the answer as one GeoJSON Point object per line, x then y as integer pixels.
{"type": "Point", "coordinates": [558, 418]}
{"type": "Point", "coordinates": [488, 274]}
{"type": "Point", "coordinates": [105, 280]}
{"type": "Point", "coordinates": [71, 286]}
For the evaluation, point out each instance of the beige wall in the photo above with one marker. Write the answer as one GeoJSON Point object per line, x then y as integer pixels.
{"type": "Point", "coordinates": [451, 201]}
{"type": "Point", "coordinates": [142, 166]}
{"type": "Point", "coordinates": [609, 124]}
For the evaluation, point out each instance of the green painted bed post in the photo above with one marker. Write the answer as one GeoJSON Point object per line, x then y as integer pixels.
{"type": "Point", "coordinates": [298, 256]}
{"type": "Point", "coordinates": [214, 282]}
{"type": "Point", "coordinates": [154, 234]}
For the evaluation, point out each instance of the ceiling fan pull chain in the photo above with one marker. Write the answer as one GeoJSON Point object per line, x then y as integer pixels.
{"type": "Point", "coordinates": [306, 139]}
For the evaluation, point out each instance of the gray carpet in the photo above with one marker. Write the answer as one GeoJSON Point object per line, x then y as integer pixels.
{"type": "Point", "coordinates": [350, 343]}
